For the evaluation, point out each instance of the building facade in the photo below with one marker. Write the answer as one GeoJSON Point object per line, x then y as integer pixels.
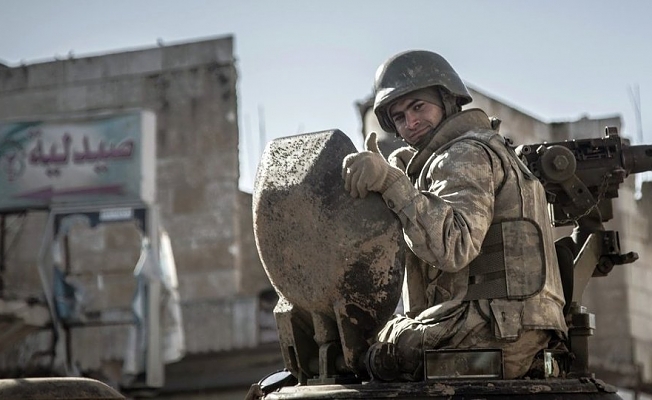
{"type": "Point", "coordinates": [191, 89]}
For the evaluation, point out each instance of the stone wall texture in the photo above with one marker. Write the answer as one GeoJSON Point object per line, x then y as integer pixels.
{"type": "Point", "coordinates": [191, 88]}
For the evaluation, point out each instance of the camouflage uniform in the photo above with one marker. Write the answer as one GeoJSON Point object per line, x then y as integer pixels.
{"type": "Point", "coordinates": [483, 270]}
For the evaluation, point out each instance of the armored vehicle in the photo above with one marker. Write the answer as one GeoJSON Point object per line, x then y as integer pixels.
{"type": "Point", "coordinates": [335, 263]}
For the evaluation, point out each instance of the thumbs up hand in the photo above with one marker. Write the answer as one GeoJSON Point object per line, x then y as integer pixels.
{"type": "Point", "coordinates": [368, 171]}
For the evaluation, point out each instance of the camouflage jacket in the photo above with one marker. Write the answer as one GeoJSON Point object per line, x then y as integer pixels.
{"type": "Point", "coordinates": [477, 224]}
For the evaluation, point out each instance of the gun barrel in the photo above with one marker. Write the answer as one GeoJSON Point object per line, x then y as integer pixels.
{"type": "Point", "coordinates": [637, 159]}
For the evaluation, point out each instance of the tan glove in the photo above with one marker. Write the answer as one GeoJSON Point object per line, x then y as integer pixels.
{"type": "Point", "coordinates": [400, 157]}
{"type": "Point", "coordinates": [368, 171]}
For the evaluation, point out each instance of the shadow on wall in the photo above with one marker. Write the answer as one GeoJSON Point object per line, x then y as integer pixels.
{"type": "Point", "coordinates": [267, 300]}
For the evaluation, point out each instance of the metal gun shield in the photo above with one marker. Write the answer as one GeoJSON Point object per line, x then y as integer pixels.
{"type": "Point", "coordinates": [334, 258]}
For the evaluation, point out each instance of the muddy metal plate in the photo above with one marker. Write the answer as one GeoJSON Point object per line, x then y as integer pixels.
{"type": "Point", "coordinates": [320, 247]}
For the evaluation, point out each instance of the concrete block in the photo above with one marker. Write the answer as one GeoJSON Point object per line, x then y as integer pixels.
{"type": "Point", "coordinates": [201, 258]}
{"type": "Point", "coordinates": [635, 230]}
{"type": "Point", "coordinates": [251, 274]}
{"type": "Point", "coordinates": [219, 51]}
{"type": "Point", "coordinates": [245, 322]}
{"type": "Point", "coordinates": [104, 262]}
{"type": "Point", "coordinates": [132, 63]}
{"type": "Point", "coordinates": [83, 69]}
{"type": "Point", "coordinates": [185, 85]}
{"type": "Point", "coordinates": [226, 325]}
{"type": "Point", "coordinates": [23, 242]}
{"type": "Point", "coordinates": [641, 326]}
{"type": "Point", "coordinates": [639, 274]}
{"type": "Point", "coordinates": [21, 280]}
{"type": "Point", "coordinates": [27, 104]}
{"type": "Point", "coordinates": [13, 78]}
{"type": "Point", "coordinates": [105, 292]}
{"type": "Point", "coordinates": [203, 228]}
{"type": "Point", "coordinates": [123, 236]}
{"type": "Point", "coordinates": [45, 74]}
{"type": "Point", "coordinates": [92, 345]}
{"type": "Point", "coordinates": [227, 191]}
{"type": "Point", "coordinates": [611, 324]}
{"type": "Point", "coordinates": [83, 238]}
{"type": "Point", "coordinates": [73, 98]}
{"type": "Point", "coordinates": [207, 285]}
{"type": "Point", "coordinates": [109, 94]}
{"type": "Point", "coordinates": [18, 319]}
{"type": "Point", "coordinates": [640, 300]}
{"type": "Point", "coordinates": [33, 352]}
{"type": "Point", "coordinates": [643, 357]}
{"type": "Point", "coordinates": [105, 248]}
{"type": "Point", "coordinates": [188, 199]}
{"type": "Point", "coordinates": [611, 350]}
{"type": "Point", "coordinates": [215, 318]}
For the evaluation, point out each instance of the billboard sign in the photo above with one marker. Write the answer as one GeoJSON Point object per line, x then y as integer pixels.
{"type": "Point", "coordinates": [102, 159]}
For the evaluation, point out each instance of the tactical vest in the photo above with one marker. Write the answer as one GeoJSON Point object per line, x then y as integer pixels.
{"type": "Point", "coordinates": [514, 254]}
{"type": "Point", "coordinates": [516, 272]}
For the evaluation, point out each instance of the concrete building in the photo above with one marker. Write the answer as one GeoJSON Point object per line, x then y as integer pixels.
{"type": "Point", "coordinates": [191, 88]}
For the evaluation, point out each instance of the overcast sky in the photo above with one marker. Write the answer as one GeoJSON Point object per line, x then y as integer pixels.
{"type": "Point", "coordinates": [306, 63]}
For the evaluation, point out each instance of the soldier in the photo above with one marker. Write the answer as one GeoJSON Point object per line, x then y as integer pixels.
{"type": "Point", "coordinates": [482, 271]}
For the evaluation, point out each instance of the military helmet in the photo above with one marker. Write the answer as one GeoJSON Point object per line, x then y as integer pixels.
{"type": "Point", "coordinates": [413, 70]}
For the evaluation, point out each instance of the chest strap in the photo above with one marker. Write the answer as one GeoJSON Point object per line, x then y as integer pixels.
{"type": "Point", "coordinates": [487, 277]}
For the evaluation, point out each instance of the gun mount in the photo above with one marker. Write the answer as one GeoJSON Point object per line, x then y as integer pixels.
{"type": "Point", "coordinates": [582, 175]}
{"type": "Point", "coordinates": [326, 331]}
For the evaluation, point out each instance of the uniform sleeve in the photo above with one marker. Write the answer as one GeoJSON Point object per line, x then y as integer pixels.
{"type": "Point", "coordinates": [446, 224]}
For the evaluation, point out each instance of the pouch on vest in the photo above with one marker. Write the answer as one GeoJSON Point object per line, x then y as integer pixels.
{"type": "Point", "coordinates": [511, 264]}
{"type": "Point", "coordinates": [507, 316]}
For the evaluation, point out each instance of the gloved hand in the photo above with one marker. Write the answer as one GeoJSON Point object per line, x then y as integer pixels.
{"type": "Point", "coordinates": [368, 171]}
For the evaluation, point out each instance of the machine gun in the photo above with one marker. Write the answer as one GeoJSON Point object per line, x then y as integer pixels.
{"type": "Point", "coordinates": [581, 177]}
{"type": "Point", "coordinates": [337, 285]}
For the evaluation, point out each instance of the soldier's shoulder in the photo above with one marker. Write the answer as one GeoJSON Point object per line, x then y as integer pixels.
{"type": "Point", "coordinates": [474, 138]}
{"type": "Point", "coordinates": [484, 138]}
{"type": "Point", "coordinates": [482, 135]}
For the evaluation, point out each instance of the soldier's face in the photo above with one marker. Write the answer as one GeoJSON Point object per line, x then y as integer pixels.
{"type": "Point", "coordinates": [415, 118]}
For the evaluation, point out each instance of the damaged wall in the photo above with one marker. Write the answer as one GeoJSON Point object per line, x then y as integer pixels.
{"type": "Point", "coordinates": [192, 90]}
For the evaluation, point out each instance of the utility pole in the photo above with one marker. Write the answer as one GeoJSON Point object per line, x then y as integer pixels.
{"type": "Point", "coordinates": [635, 97]}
